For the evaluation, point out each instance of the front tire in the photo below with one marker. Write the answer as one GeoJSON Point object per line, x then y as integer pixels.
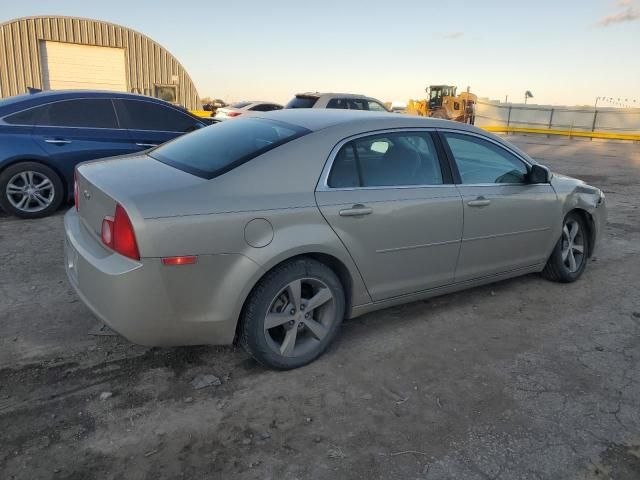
{"type": "Point", "coordinates": [569, 257]}
{"type": "Point", "coordinates": [293, 314]}
{"type": "Point", "coordinates": [30, 190]}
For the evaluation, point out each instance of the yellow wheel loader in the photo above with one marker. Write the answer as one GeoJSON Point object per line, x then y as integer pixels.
{"type": "Point", "coordinates": [444, 103]}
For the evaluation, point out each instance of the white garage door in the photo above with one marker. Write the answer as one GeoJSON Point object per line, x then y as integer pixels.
{"type": "Point", "coordinates": [73, 66]}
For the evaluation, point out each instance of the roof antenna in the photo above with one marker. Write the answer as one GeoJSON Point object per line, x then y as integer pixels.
{"type": "Point", "coordinates": [33, 90]}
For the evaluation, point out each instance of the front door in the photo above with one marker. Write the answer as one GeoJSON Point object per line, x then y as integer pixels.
{"type": "Point", "coordinates": [398, 215]}
{"type": "Point", "coordinates": [507, 220]}
{"type": "Point", "coordinates": [151, 123]}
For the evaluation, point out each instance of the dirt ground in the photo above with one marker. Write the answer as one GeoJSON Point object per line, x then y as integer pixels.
{"type": "Point", "coordinates": [524, 379]}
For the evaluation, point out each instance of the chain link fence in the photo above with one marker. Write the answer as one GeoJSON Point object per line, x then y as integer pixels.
{"type": "Point", "coordinates": [578, 119]}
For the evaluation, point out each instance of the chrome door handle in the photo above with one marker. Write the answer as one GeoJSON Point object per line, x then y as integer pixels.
{"type": "Point", "coordinates": [148, 145]}
{"type": "Point", "coordinates": [356, 211]}
{"type": "Point", "coordinates": [58, 141]}
{"type": "Point", "coordinates": [479, 202]}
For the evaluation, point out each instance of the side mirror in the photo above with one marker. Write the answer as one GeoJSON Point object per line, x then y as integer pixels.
{"type": "Point", "coordinates": [539, 174]}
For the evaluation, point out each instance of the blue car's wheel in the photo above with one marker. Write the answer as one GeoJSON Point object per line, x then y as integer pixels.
{"type": "Point", "coordinates": [30, 190]}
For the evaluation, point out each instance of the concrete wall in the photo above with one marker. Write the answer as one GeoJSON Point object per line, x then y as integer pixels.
{"type": "Point", "coordinates": [611, 120]}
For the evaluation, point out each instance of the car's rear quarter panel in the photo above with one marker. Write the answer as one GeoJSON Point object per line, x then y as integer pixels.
{"type": "Point", "coordinates": [212, 218]}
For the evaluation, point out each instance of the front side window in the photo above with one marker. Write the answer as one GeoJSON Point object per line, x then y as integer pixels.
{"type": "Point", "coordinates": [394, 159]}
{"type": "Point", "coordinates": [82, 113]}
{"type": "Point", "coordinates": [376, 107]}
{"type": "Point", "coordinates": [142, 115]}
{"type": "Point", "coordinates": [481, 161]}
{"type": "Point", "coordinates": [214, 150]}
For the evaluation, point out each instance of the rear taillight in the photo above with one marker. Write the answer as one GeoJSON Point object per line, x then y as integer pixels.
{"type": "Point", "coordinates": [233, 114]}
{"type": "Point", "coordinates": [117, 233]}
{"type": "Point", "coordinates": [76, 198]}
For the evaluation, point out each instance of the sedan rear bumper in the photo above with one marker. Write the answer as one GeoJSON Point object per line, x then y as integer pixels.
{"type": "Point", "coordinates": [153, 304]}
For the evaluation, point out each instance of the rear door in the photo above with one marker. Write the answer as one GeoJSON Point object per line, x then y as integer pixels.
{"type": "Point", "coordinates": [149, 124]}
{"type": "Point", "coordinates": [393, 205]}
{"type": "Point", "coordinates": [73, 131]}
{"type": "Point", "coordinates": [507, 220]}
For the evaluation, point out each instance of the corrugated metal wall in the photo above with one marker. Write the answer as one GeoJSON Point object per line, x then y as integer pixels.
{"type": "Point", "coordinates": [148, 64]}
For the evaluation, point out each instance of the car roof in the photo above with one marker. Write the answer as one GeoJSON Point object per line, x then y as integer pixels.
{"type": "Point", "coordinates": [316, 119]}
{"type": "Point", "coordinates": [19, 102]}
{"type": "Point", "coordinates": [249, 103]}
{"type": "Point", "coordinates": [331, 94]}
{"type": "Point", "coordinates": [319, 118]}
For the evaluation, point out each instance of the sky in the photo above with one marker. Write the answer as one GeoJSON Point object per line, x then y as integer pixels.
{"type": "Point", "coordinates": [564, 52]}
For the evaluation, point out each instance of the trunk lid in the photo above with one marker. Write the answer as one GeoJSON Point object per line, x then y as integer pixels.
{"type": "Point", "coordinates": [132, 181]}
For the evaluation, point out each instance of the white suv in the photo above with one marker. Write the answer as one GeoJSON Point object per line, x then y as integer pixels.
{"type": "Point", "coordinates": [348, 101]}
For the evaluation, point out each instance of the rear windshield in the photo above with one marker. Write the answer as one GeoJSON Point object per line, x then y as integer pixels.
{"type": "Point", "coordinates": [216, 149]}
{"type": "Point", "coordinates": [302, 102]}
{"type": "Point", "coordinates": [240, 104]}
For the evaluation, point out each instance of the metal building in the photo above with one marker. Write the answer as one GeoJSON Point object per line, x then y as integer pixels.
{"type": "Point", "coordinates": [61, 53]}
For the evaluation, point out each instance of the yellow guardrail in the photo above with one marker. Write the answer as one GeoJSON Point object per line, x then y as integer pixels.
{"type": "Point", "coordinates": [201, 113]}
{"type": "Point", "coordinates": [566, 133]}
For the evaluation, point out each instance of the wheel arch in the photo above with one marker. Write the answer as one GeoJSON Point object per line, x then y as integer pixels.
{"type": "Point", "coordinates": [35, 159]}
{"type": "Point", "coordinates": [589, 222]}
{"type": "Point", "coordinates": [334, 263]}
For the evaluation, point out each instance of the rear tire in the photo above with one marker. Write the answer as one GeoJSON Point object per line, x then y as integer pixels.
{"type": "Point", "coordinates": [30, 190]}
{"type": "Point", "coordinates": [293, 314]}
{"type": "Point", "coordinates": [569, 257]}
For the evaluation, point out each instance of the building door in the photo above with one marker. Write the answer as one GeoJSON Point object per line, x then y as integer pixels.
{"type": "Point", "coordinates": [68, 66]}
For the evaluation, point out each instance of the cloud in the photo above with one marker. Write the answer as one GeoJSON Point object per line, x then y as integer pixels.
{"type": "Point", "coordinates": [454, 35]}
{"type": "Point", "coordinates": [624, 3]}
{"type": "Point", "coordinates": [629, 15]}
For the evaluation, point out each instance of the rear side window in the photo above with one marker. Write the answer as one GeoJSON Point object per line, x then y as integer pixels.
{"type": "Point", "coordinates": [349, 103]}
{"type": "Point", "coordinates": [394, 159]}
{"type": "Point", "coordinates": [357, 104]}
{"type": "Point", "coordinates": [82, 113]}
{"type": "Point", "coordinates": [214, 150]}
{"type": "Point", "coordinates": [302, 102]}
{"type": "Point", "coordinates": [338, 103]}
{"type": "Point", "coordinates": [87, 113]}
{"type": "Point", "coordinates": [141, 115]}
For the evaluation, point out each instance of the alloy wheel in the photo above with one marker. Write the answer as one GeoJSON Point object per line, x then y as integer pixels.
{"type": "Point", "coordinates": [30, 191]}
{"type": "Point", "coordinates": [299, 317]}
{"type": "Point", "coordinates": [572, 245]}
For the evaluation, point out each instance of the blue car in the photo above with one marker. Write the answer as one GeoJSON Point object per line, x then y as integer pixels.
{"type": "Point", "coordinates": [44, 135]}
